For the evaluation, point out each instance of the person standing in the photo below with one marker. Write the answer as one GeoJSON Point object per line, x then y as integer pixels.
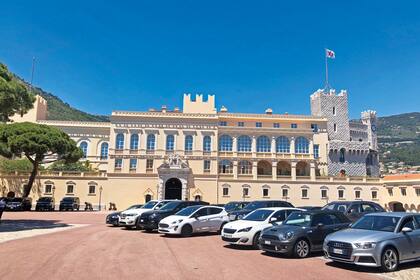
{"type": "Point", "coordinates": [2, 206]}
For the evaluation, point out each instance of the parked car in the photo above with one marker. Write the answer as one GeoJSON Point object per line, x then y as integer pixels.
{"type": "Point", "coordinates": [310, 207]}
{"type": "Point", "coordinates": [150, 220]}
{"type": "Point", "coordinates": [45, 203]}
{"type": "Point", "coordinates": [235, 205]}
{"type": "Point", "coordinates": [247, 230]}
{"type": "Point", "coordinates": [302, 232]}
{"type": "Point", "coordinates": [354, 210]}
{"type": "Point", "coordinates": [239, 214]}
{"type": "Point", "coordinates": [19, 204]}
{"type": "Point", "coordinates": [69, 203]}
{"type": "Point", "coordinates": [378, 239]}
{"type": "Point", "coordinates": [194, 219]}
{"type": "Point", "coordinates": [128, 218]}
{"type": "Point", "coordinates": [114, 218]}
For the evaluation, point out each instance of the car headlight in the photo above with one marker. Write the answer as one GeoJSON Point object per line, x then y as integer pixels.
{"type": "Point", "coordinates": [364, 245]}
{"type": "Point", "coordinates": [177, 221]}
{"type": "Point", "coordinates": [287, 235]}
{"type": "Point", "coordinates": [245, 229]}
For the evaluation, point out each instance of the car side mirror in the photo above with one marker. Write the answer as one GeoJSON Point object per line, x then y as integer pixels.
{"type": "Point", "coordinates": [273, 219]}
{"type": "Point", "coordinates": [320, 225]}
{"type": "Point", "coordinates": [406, 230]}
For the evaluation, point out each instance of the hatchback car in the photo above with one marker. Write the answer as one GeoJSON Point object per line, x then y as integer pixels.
{"type": "Point", "coordinates": [149, 220]}
{"type": "Point", "coordinates": [379, 239]}
{"type": "Point", "coordinates": [69, 203]}
{"type": "Point", "coordinates": [354, 210]}
{"type": "Point", "coordinates": [247, 230]}
{"type": "Point", "coordinates": [235, 205]}
{"type": "Point", "coordinates": [128, 218]}
{"type": "Point", "coordinates": [194, 219]}
{"type": "Point", "coordinates": [114, 217]}
{"type": "Point", "coordinates": [302, 232]}
{"type": "Point", "coordinates": [239, 214]}
{"type": "Point", "coordinates": [45, 203]}
{"type": "Point", "coordinates": [18, 204]}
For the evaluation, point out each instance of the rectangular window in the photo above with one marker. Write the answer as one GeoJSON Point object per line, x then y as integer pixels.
{"type": "Point", "coordinates": [374, 194]}
{"type": "Point", "coordinates": [304, 193]}
{"type": "Point", "coordinates": [333, 111]}
{"type": "Point", "coordinates": [118, 163]}
{"type": "Point", "coordinates": [335, 127]}
{"type": "Point", "coordinates": [48, 188]}
{"type": "Point", "coordinates": [293, 125]}
{"type": "Point", "coordinates": [70, 188]}
{"type": "Point", "coordinates": [206, 165]}
{"type": "Point", "coordinates": [276, 125]}
{"type": "Point", "coordinates": [92, 189]}
{"type": "Point", "coordinates": [245, 192]}
{"type": "Point", "coordinates": [324, 194]}
{"type": "Point", "coordinates": [390, 192]}
{"type": "Point", "coordinates": [133, 163]}
{"type": "Point", "coordinates": [357, 194]}
{"type": "Point", "coordinates": [241, 124]}
{"type": "Point", "coordinates": [314, 127]}
{"type": "Point", "coordinates": [316, 151]}
{"type": "Point", "coordinates": [403, 191]}
{"type": "Point", "coordinates": [226, 191]}
{"type": "Point", "coordinates": [418, 192]}
{"type": "Point", "coordinates": [149, 164]}
{"type": "Point", "coordinates": [223, 123]}
{"type": "Point", "coordinates": [285, 193]}
{"type": "Point", "coordinates": [265, 192]}
{"type": "Point", "coordinates": [340, 194]}
{"type": "Point", "coordinates": [258, 124]}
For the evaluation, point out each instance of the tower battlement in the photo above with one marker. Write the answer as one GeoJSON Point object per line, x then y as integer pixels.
{"type": "Point", "coordinates": [199, 105]}
{"type": "Point", "coordinates": [368, 114]}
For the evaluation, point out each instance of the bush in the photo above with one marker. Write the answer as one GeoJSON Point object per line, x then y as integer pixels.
{"type": "Point", "coordinates": [76, 166]}
{"type": "Point", "coordinates": [12, 165]}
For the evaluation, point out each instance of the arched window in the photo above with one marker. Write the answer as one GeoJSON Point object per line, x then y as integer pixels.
{"type": "Point", "coordinates": [207, 143]}
{"type": "Point", "coordinates": [151, 142]}
{"type": "Point", "coordinates": [302, 145]}
{"type": "Point", "coordinates": [134, 142]}
{"type": "Point", "coordinates": [342, 158]}
{"type": "Point", "coordinates": [225, 143]}
{"type": "Point", "coordinates": [119, 141]}
{"type": "Point", "coordinates": [282, 145]}
{"type": "Point", "coordinates": [188, 143]}
{"type": "Point", "coordinates": [244, 143]}
{"type": "Point", "coordinates": [170, 142]}
{"type": "Point", "coordinates": [245, 167]}
{"type": "Point", "coordinates": [147, 198]}
{"type": "Point", "coordinates": [104, 150]}
{"type": "Point", "coordinates": [84, 147]}
{"type": "Point", "coordinates": [225, 167]}
{"type": "Point", "coordinates": [263, 144]}
{"type": "Point", "coordinates": [197, 197]}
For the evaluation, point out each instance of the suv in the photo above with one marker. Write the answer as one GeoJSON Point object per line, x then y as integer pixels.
{"type": "Point", "coordinates": [128, 218]}
{"type": "Point", "coordinates": [69, 203]}
{"type": "Point", "coordinates": [19, 204]}
{"type": "Point", "coordinates": [239, 214]}
{"type": "Point", "coordinates": [235, 205]}
{"type": "Point", "coordinates": [45, 203]}
{"type": "Point", "coordinates": [149, 220]}
{"type": "Point", "coordinates": [354, 209]}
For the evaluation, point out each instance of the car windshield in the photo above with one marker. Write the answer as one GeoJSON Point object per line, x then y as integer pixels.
{"type": "Point", "coordinates": [149, 205]}
{"type": "Point", "coordinates": [254, 205]}
{"type": "Point", "coordinates": [45, 199]}
{"type": "Point", "coordinates": [135, 206]}
{"type": "Point", "coordinates": [170, 206]}
{"type": "Point", "coordinates": [258, 215]}
{"type": "Point", "coordinates": [231, 206]}
{"type": "Point", "coordinates": [188, 211]}
{"type": "Point", "coordinates": [378, 223]}
{"type": "Point", "coordinates": [342, 207]}
{"type": "Point", "coordinates": [298, 219]}
{"type": "Point", "coordinates": [68, 199]}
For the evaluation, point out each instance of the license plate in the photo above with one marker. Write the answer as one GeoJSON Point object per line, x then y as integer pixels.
{"type": "Point", "coordinates": [228, 235]}
{"type": "Point", "coordinates": [268, 242]}
{"type": "Point", "coordinates": [338, 251]}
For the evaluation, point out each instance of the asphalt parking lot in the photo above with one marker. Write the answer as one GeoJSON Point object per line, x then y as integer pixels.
{"type": "Point", "coordinates": [81, 246]}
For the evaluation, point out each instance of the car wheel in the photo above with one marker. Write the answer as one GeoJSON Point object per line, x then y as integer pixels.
{"type": "Point", "coordinates": [256, 240]}
{"type": "Point", "coordinates": [186, 231]}
{"type": "Point", "coordinates": [221, 228]}
{"type": "Point", "coordinates": [389, 260]}
{"type": "Point", "coordinates": [301, 249]}
{"type": "Point", "coordinates": [137, 226]}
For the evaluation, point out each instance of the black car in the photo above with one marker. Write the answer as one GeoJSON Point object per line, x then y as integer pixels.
{"type": "Point", "coordinates": [150, 220]}
{"type": "Point", "coordinates": [45, 203]}
{"type": "Point", "coordinates": [302, 232]}
{"type": "Point", "coordinates": [69, 203]}
{"type": "Point", "coordinates": [113, 218]}
{"type": "Point", "coordinates": [19, 204]}
{"type": "Point", "coordinates": [238, 214]}
{"type": "Point", "coordinates": [310, 207]}
{"type": "Point", "coordinates": [235, 205]}
{"type": "Point", "coordinates": [354, 209]}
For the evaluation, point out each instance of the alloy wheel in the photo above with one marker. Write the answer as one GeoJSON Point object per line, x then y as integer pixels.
{"type": "Point", "coordinates": [390, 259]}
{"type": "Point", "coordinates": [302, 248]}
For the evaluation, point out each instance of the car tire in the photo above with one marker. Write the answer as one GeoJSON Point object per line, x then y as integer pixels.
{"type": "Point", "coordinates": [301, 249]}
{"type": "Point", "coordinates": [221, 228]}
{"type": "Point", "coordinates": [137, 226]}
{"type": "Point", "coordinates": [389, 259]}
{"type": "Point", "coordinates": [256, 240]}
{"type": "Point", "coordinates": [186, 231]}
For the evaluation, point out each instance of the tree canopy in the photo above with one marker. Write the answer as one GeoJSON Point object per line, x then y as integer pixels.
{"type": "Point", "coordinates": [15, 97]}
{"type": "Point", "coordinates": [38, 143]}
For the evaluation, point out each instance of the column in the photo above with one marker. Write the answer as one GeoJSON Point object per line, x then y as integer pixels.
{"type": "Point", "coordinates": [254, 145]}
{"type": "Point", "coordinates": [254, 170]}
{"type": "Point", "coordinates": [235, 169]}
{"type": "Point", "coordinates": [293, 164]}
{"type": "Point", "coordinates": [292, 146]}
{"type": "Point", "coordinates": [273, 146]}
{"type": "Point", "coordinates": [274, 170]}
{"type": "Point", "coordinates": [234, 143]}
{"type": "Point", "coordinates": [311, 148]}
{"type": "Point", "coordinates": [312, 171]}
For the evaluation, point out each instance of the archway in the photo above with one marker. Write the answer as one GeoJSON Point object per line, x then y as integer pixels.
{"type": "Point", "coordinates": [302, 168]}
{"type": "Point", "coordinates": [396, 206]}
{"type": "Point", "coordinates": [173, 189]}
{"type": "Point", "coordinates": [264, 168]}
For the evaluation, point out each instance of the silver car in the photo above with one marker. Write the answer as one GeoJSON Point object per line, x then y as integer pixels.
{"type": "Point", "coordinates": [379, 240]}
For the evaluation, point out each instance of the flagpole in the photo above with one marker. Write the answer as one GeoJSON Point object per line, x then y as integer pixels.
{"type": "Point", "coordinates": [326, 71]}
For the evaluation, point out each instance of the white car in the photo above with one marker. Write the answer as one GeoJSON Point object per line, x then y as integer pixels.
{"type": "Point", "coordinates": [247, 230]}
{"type": "Point", "coordinates": [194, 219]}
{"type": "Point", "coordinates": [128, 218]}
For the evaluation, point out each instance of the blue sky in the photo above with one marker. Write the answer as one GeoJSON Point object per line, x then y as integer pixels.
{"type": "Point", "coordinates": [101, 56]}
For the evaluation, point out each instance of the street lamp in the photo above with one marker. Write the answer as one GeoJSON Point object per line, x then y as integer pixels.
{"type": "Point", "coordinates": [100, 197]}
{"type": "Point", "coordinates": [53, 199]}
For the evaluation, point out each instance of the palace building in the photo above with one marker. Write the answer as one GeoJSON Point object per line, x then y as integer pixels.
{"type": "Point", "coordinates": [199, 152]}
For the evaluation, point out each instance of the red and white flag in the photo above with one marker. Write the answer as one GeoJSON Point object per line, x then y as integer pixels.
{"type": "Point", "coordinates": [329, 53]}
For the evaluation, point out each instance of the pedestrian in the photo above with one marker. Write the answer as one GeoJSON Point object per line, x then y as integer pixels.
{"type": "Point", "coordinates": [2, 206]}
